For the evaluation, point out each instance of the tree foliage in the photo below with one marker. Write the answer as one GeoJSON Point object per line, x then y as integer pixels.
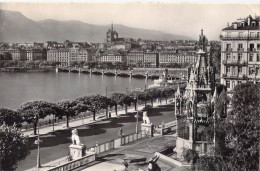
{"type": "Point", "coordinates": [244, 128]}
{"type": "Point", "coordinates": [13, 147]}
{"type": "Point", "coordinates": [70, 108]}
{"type": "Point", "coordinates": [10, 117]}
{"type": "Point", "coordinates": [30, 111]}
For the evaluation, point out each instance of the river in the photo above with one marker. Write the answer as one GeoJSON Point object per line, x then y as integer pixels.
{"type": "Point", "coordinates": [17, 88]}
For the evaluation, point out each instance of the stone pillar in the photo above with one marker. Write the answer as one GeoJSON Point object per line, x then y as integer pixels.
{"type": "Point", "coordinates": [77, 151]}
{"type": "Point", "coordinates": [147, 129]}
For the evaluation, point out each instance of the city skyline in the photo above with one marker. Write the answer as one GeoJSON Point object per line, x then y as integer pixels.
{"type": "Point", "coordinates": [173, 18]}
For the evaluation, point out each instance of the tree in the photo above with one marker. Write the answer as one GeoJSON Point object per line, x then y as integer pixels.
{"type": "Point", "coordinates": [70, 108]}
{"type": "Point", "coordinates": [244, 128]}
{"type": "Point", "coordinates": [237, 133]}
{"type": "Point", "coordinates": [208, 163]}
{"type": "Point", "coordinates": [153, 93]}
{"type": "Point", "coordinates": [13, 147]}
{"type": "Point", "coordinates": [8, 56]}
{"type": "Point", "coordinates": [144, 96]}
{"type": "Point", "coordinates": [127, 100]}
{"type": "Point", "coordinates": [9, 117]}
{"type": "Point", "coordinates": [30, 111]}
{"type": "Point", "coordinates": [136, 95]}
{"type": "Point", "coordinates": [191, 156]}
{"type": "Point", "coordinates": [221, 104]}
{"type": "Point", "coordinates": [116, 97]}
{"type": "Point", "coordinates": [167, 92]}
{"type": "Point", "coordinates": [93, 103]}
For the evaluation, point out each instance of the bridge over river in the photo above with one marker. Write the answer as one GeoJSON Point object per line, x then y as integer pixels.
{"type": "Point", "coordinates": [136, 73]}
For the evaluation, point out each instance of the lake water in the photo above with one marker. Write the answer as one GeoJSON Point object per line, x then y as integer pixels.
{"type": "Point", "coordinates": [17, 88]}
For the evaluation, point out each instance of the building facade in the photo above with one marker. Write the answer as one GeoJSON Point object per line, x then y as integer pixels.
{"type": "Point", "coordinates": [33, 54]}
{"type": "Point", "coordinates": [16, 54]}
{"type": "Point", "coordinates": [113, 58]}
{"type": "Point", "coordinates": [168, 58]}
{"type": "Point", "coordinates": [67, 55]}
{"type": "Point", "coordinates": [151, 59]}
{"type": "Point", "coordinates": [135, 59]}
{"type": "Point", "coordinates": [240, 48]}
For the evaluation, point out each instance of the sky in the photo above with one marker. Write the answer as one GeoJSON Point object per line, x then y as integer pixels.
{"type": "Point", "coordinates": [183, 18]}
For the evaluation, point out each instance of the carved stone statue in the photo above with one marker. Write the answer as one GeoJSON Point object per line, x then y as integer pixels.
{"type": "Point", "coordinates": [75, 137]}
{"type": "Point", "coordinates": [146, 119]}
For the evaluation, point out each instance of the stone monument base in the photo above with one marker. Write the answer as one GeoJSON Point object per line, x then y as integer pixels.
{"type": "Point", "coordinates": [147, 129]}
{"type": "Point", "coordinates": [77, 151]}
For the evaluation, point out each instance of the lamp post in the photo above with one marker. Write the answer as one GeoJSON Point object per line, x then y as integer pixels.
{"type": "Point", "coordinates": [137, 116]}
{"type": "Point", "coordinates": [38, 142]}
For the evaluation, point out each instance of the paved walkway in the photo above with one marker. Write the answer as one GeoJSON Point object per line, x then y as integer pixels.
{"type": "Point", "coordinates": [146, 148]}
{"type": "Point", "coordinates": [87, 120]}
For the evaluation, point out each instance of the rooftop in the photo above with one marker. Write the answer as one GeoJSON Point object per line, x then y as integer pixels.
{"type": "Point", "coordinates": [248, 23]}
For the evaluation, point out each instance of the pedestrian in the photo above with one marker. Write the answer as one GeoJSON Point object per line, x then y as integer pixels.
{"type": "Point", "coordinates": [109, 114]}
{"type": "Point", "coordinates": [49, 121]}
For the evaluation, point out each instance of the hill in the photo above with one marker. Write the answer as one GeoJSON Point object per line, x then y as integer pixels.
{"type": "Point", "coordinates": [15, 27]}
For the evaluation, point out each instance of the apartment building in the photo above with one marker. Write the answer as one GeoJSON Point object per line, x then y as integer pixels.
{"type": "Point", "coordinates": [240, 46]}
{"type": "Point", "coordinates": [16, 54]}
{"type": "Point", "coordinates": [67, 55]}
{"type": "Point", "coordinates": [112, 57]}
{"type": "Point", "coordinates": [151, 59]}
{"type": "Point", "coordinates": [135, 59]}
{"type": "Point", "coordinates": [167, 58]}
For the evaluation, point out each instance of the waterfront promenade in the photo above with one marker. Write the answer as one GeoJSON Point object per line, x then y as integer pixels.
{"type": "Point", "coordinates": [54, 145]}
{"type": "Point", "coordinates": [86, 120]}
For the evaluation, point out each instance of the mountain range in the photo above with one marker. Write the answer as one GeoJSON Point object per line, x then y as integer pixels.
{"type": "Point", "coordinates": [15, 27]}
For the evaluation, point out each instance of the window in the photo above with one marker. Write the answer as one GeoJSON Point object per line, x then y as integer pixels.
{"type": "Point", "coordinates": [228, 84]}
{"type": "Point", "coordinates": [251, 47]}
{"type": "Point", "coordinates": [251, 70]}
{"type": "Point", "coordinates": [240, 46]}
{"type": "Point", "coordinates": [258, 46]}
{"type": "Point", "coordinates": [257, 57]}
{"type": "Point", "coordinates": [239, 56]}
{"type": "Point", "coordinates": [228, 46]}
{"type": "Point", "coordinates": [251, 56]}
{"type": "Point", "coordinates": [252, 35]}
{"type": "Point", "coordinates": [239, 70]}
{"type": "Point", "coordinates": [228, 56]}
{"type": "Point", "coordinates": [228, 69]}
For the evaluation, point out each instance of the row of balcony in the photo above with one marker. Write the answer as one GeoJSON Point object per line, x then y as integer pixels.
{"type": "Point", "coordinates": [239, 37]}
{"type": "Point", "coordinates": [234, 76]}
{"type": "Point", "coordinates": [241, 49]}
{"type": "Point", "coordinates": [235, 62]}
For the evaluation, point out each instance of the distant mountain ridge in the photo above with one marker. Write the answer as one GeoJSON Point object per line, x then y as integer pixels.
{"type": "Point", "coordinates": [15, 27]}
